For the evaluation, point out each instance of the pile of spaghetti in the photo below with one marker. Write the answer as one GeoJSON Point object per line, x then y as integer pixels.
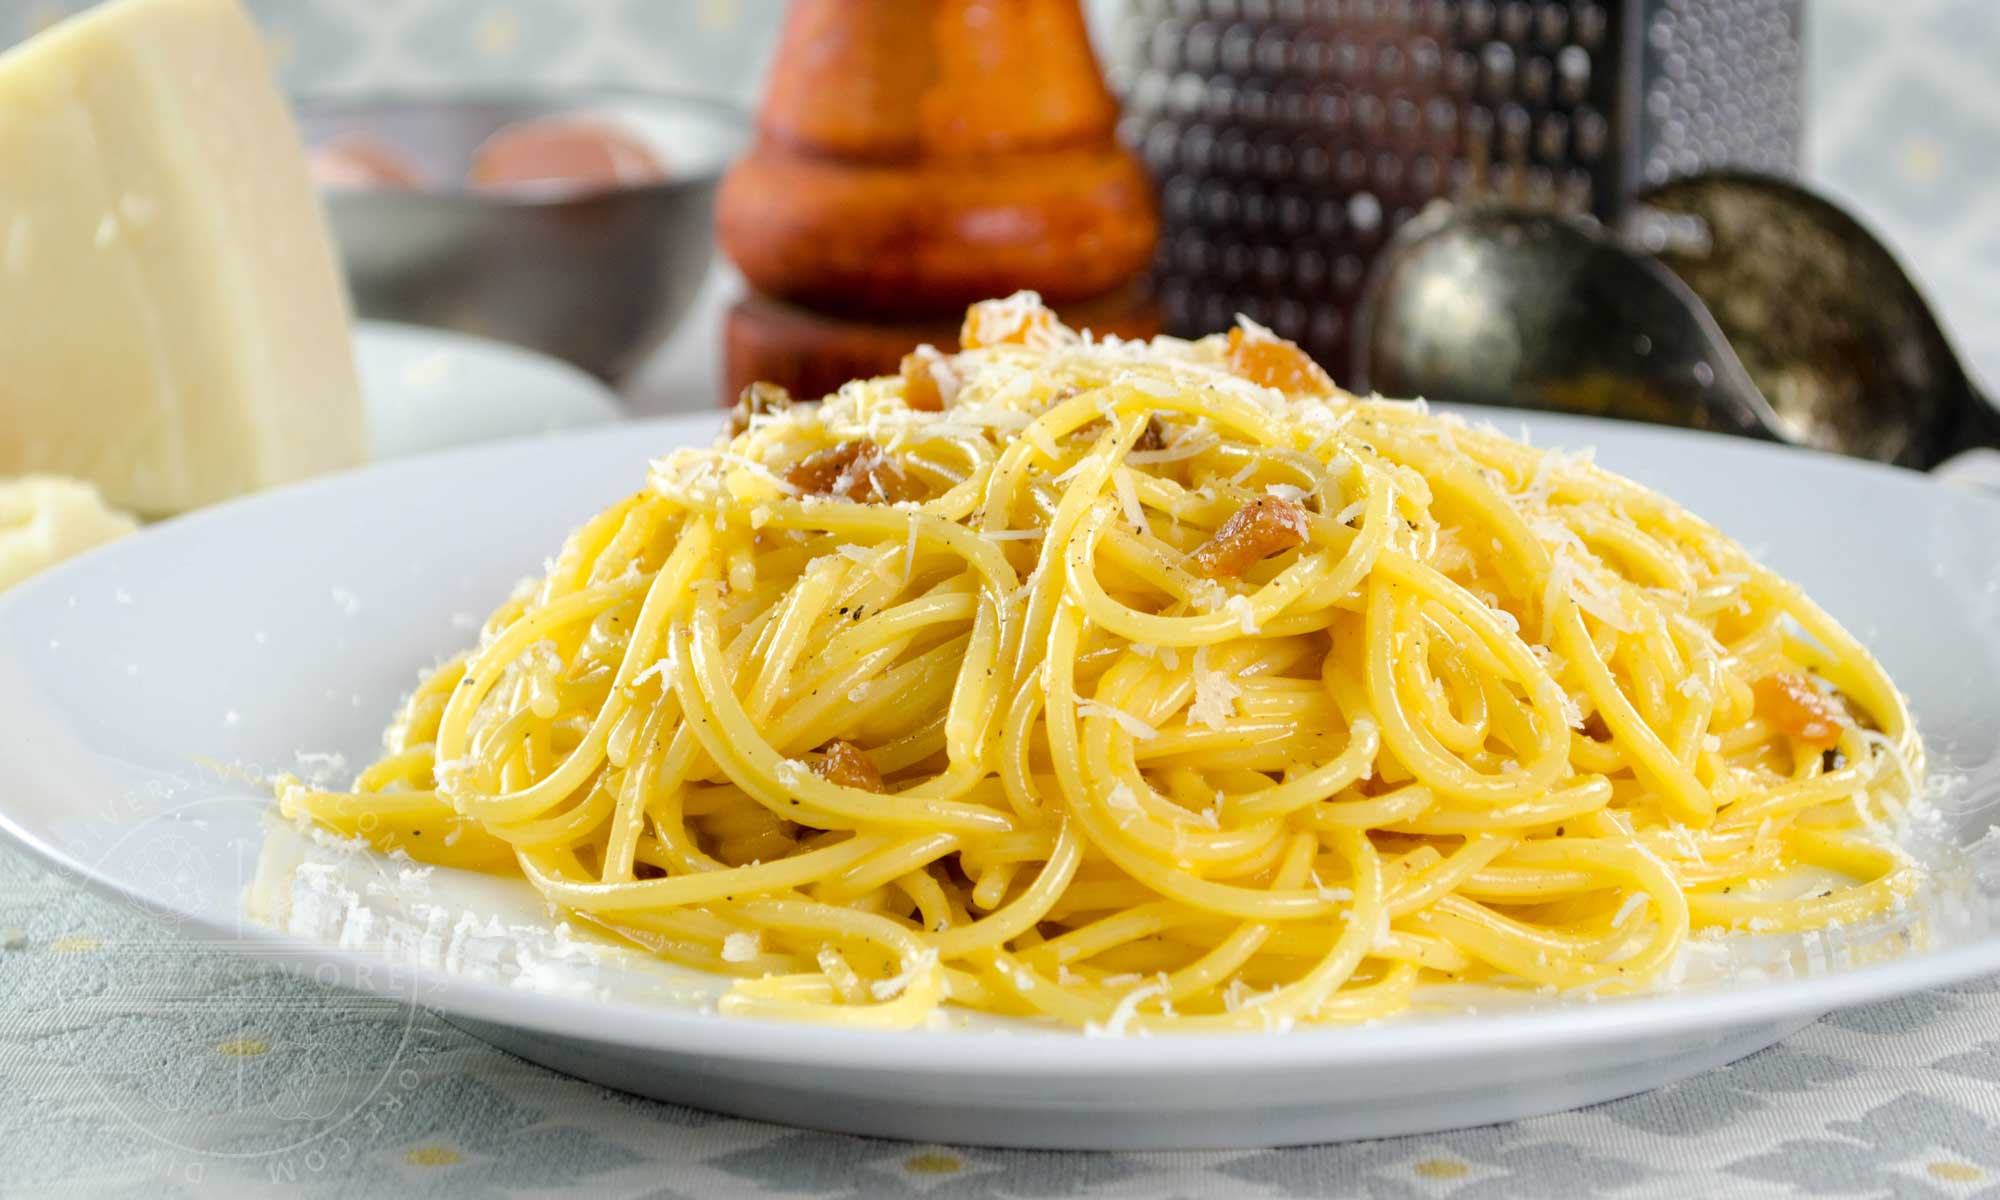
{"type": "Point", "coordinates": [1149, 686]}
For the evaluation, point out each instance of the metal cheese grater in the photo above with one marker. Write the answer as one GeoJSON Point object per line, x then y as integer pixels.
{"type": "Point", "coordinates": [1290, 137]}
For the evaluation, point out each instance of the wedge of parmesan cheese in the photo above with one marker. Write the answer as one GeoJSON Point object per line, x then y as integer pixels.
{"type": "Point", "coordinates": [175, 326]}
{"type": "Point", "coordinates": [44, 519]}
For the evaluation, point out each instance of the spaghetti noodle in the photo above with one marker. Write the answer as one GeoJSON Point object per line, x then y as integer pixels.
{"type": "Point", "coordinates": [1149, 686]}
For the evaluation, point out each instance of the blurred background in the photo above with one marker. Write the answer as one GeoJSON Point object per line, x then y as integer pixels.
{"type": "Point", "coordinates": [1900, 107]}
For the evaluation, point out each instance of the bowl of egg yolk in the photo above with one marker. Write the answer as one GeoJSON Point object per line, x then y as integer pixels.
{"type": "Point", "coordinates": [577, 223]}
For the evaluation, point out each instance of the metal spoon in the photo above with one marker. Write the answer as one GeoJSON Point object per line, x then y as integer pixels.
{"type": "Point", "coordinates": [1528, 309]}
{"type": "Point", "coordinates": [1836, 333]}
{"type": "Point", "coordinates": [1500, 306]}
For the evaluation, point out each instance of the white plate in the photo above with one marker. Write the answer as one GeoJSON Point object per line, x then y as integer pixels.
{"type": "Point", "coordinates": [145, 686]}
{"type": "Point", "coordinates": [429, 389]}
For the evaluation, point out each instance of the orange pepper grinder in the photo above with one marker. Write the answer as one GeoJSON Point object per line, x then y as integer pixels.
{"type": "Point", "coordinates": [912, 157]}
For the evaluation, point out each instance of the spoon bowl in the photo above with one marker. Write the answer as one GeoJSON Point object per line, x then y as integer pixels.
{"type": "Point", "coordinates": [1530, 309]}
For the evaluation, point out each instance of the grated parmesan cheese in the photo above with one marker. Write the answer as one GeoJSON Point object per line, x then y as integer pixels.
{"type": "Point", "coordinates": [1126, 721]}
{"type": "Point", "coordinates": [914, 968]}
{"type": "Point", "coordinates": [1126, 1009]}
{"type": "Point", "coordinates": [1215, 694]}
{"type": "Point", "coordinates": [1128, 496]}
{"type": "Point", "coordinates": [1187, 445]}
{"type": "Point", "coordinates": [1246, 616]}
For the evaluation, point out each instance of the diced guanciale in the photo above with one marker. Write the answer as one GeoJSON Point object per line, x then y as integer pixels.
{"type": "Point", "coordinates": [846, 765]}
{"type": "Point", "coordinates": [920, 388]}
{"type": "Point", "coordinates": [1791, 702]}
{"type": "Point", "coordinates": [1009, 322]}
{"type": "Point", "coordinates": [856, 470]}
{"type": "Point", "coordinates": [1276, 363]}
{"type": "Point", "coordinates": [758, 400]}
{"type": "Point", "coordinates": [1252, 534]}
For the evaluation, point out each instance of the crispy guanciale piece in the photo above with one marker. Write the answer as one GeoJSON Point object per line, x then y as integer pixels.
{"type": "Point", "coordinates": [1252, 534]}
{"type": "Point", "coordinates": [920, 388]}
{"type": "Point", "coordinates": [759, 399]}
{"type": "Point", "coordinates": [847, 766]}
{"type": "Point", "coordinates": [1791, 702]}
{"type": "Point", "coordinates": [1276, 363]}
{"type": "Point", "coordinates": [856, 470]}
{"type": "Point", "coordinates": [1010, 322]}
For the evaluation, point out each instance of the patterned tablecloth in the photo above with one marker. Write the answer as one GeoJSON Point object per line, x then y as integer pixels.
{"type": "Point", "coordinates": [136, 1063]}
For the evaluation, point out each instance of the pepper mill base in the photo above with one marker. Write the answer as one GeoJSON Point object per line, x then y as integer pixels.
{"type": "Point", "coordinates": [812, 353]}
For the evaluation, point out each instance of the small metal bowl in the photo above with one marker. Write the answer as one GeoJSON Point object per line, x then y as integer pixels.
{"type": "Point", "coordinates": [597, 277]}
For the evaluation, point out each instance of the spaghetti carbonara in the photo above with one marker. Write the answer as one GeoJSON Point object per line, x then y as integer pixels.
{"type": "Point", "coordinates": [1149, 686]}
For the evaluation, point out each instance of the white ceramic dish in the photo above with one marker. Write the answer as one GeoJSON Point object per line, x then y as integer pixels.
{"type": "Point", "coordinates": [430, 389]}
{"type": "Point", "coordinates": [143, 689]}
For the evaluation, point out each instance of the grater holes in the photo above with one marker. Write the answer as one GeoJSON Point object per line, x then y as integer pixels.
{"type": "Point", "coordinates": [1294, 215]}
{"type": "Point", "coordinates": [1165, 45]}
{"type": "Point", "coordinates": [1405, 119]}
{"type": "Point", "coordinates": [1364, 215]}
{"type": "Point", "coordinates": [1271, 269]}
{"type": "Point", "coordinates": [1426, 63]}
{"type": "Point", "coordinates": [1275, 160]}
{"type": "Point", "coordinates": [1330, 111]}
{"type": "Point", "coordinates": [1388, 65]}
{"type": "Point", "coordinates": [1590, 26]}
{"type": "Point", "coordinates": [1219, 204]}
{"type": "Point", "coordinates": [1198, 149]}
{"type": "Point", "coordinates": [1324, 331]}
{"type": "Point", "coordinates": [1552, 137]}
{"type": "Point", "coordinates": [1293, 106]}
{"type": "Point", "coordinates": [1329, 219]}
{"type": "Point", "coordinates": [1402, 100]}
{"type": "Point", "coordinates": [1515, 124]}
{"type": "Point", "coordinates": [1213, 311]}
{"type": "Point", "coordinates": [1425, 175]}
{"type": "Point", "coordinates": [1591, 133]}
{"type": "Point", "coordinates": [1369, 116]}
{"type": "Point", "coordinates": [1441, 117]}
{"type": "Point", "coordinates": [1235, 263]}
{"type": "Point", "coordinates": [1347, 272]}
{"type": "Point", "coordinates": [1388, 173]}
{"type": "Point", "coordinates": [1233, 153]}
{"type": "Point", "coordinates": [1476, 20]}
{"type": "Point", "coordinates": [1256, 211]}
{"type": "Point", "coordinates": [1234, 51]}
{"type": "Point", "coordinates": [1461, 73]}
{"type": "Point", "coordinates": [1253, 104]}
{"type": "Point", "coordinates": [1192, 255]}
{"type": "Point", "coordinates": [1198, 50]}
{"type": "Point", "coordinates": [1289, 318]}
{"type": "Point", "coordinates": [1315, 164]}
{"type": "Point", "coordinates": [1551, 25]}
{"type": "Point", "coordinates": [1309, 272]}
{"type": "Point", "coordinates": [1535, 76]}
{"type": "Point", "coordinates": [1348, 61]}
{"type": "Point", "coordinates": [1573, 70]}
{"type": "Point", "coordinates": [1274, 51]}
{"type": "Point", "coordinates": [1496, 68]}
{"type": "Point", "coordinates": [1219, 100]}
